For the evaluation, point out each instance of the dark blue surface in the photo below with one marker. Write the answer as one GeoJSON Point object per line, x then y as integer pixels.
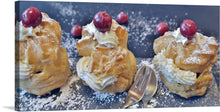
{"type": "Point", "coordinates": [206, 18]}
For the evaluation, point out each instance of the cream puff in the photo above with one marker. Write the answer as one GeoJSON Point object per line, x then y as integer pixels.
{"type": "Point", "coordinates": [41, 62]}
{"type": "Point", "coordinates": [107, 65]}
{"type": "Point", "coordinates": [184, 60]}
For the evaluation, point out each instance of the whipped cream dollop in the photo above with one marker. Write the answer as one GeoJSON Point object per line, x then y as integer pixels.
{"type": "Point", "coordinates": [109, 38]}
{"type": "Point", "coordinates": [23, 70]}
{"type": "Point", "coordinates": [171, 72]}
{"type": "Point", "coordinates": [179, 38]}
{"type": "Point", "coordinates": [97, 83]}
{"type": "Point", "coordinates": [22, 33]}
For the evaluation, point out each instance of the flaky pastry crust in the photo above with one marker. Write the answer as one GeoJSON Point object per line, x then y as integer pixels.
{"type": "Point", "coordinates": [198, 89]}
{"type": "Point", "coordinates": [47, 60]}
{"type": "Point", "coordinates": [119, 61]}
{"type": "Point", "coordinates": [197, 57]}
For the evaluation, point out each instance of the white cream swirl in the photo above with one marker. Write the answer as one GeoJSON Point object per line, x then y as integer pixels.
{"type": "Point", "coordinates": [23, 70]}
{"type": "Point", "coordinates": [95, 82]}
{"type": "Point", "coordinates": [22, 67]}
{"type": "Point", "coordinates": [171, 72]}
{"type": "Point", "coordinates": [21, 33]}
{"type": "Point", "coordinates": [109, 38]}
{"type": "Point", "coordinates": [179, 38]}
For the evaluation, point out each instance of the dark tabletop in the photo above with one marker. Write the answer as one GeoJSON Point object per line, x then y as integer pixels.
{"type": "Point", "coordinates": [143, 19]}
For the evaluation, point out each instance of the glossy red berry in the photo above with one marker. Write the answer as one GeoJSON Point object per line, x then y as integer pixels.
{"type": "Point", "coordinates": [102, 21]}
{"type": "Point", "coordinates": [76, 31]}
{"type": "Point", "coordinates": [31, 17]}
{"type": "Point", "coordinates": [188, 28]}
{"type": "Point", "coordinates": [162, 28]}
{"type": "Point", "coordinates": [122, 18]}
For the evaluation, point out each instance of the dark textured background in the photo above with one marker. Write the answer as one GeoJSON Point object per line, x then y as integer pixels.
{"type": "Point", "coordinates": [206, 18]}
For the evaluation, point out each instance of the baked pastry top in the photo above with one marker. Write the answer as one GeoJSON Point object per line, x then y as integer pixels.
{"type": "Point", "coordinates": [196, 56]}
{"type": "Point", "coordinates": [107, 65]}
{"type": "Point", "coordinates": [92, 38]}
{"type": "Point", "coordinates": [185, 64]}
{"type": "Point", "coordinates": [41, 63]}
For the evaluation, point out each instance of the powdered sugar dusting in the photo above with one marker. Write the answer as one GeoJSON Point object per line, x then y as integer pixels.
{"type": "Point", "coordinates": [193, 60]}
{"type": "Point", "coordinates": [142, 30]}
{"type": "Point", "coordinates": [65, 90]}
{"type": "Point", "coordinates": [65, 9]}
{"type": "Point", "coordinates": [76, 96]}
{"type": "Point", "coordinates": [139, 28]}
{"type": "Point", "coordinates": [164, 98]}
{"type": "Point", "coordinates": [66, 12]}
{"type": "Point", "coordinates": [101, 96]}
{"type": "Point", "coordinates": [68, 42]}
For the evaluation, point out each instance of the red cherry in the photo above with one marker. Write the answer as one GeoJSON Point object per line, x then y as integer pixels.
{"type": "Point", "coordinates": [76, 31]}
{"type": "Point", "coordinates": [188, 28]}
{"type": "Point", "coordinates": [31, 17]}
{"type": "Point", "coordinates": [162, 28]}
{"type": "Point", "coordinates": [102, 21]}
{"type": "Point", "coordinates": [122, 18]}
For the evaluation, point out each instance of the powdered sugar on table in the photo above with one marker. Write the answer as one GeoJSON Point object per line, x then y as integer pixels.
{"type": "Point", "coordinates": [76, 96]}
